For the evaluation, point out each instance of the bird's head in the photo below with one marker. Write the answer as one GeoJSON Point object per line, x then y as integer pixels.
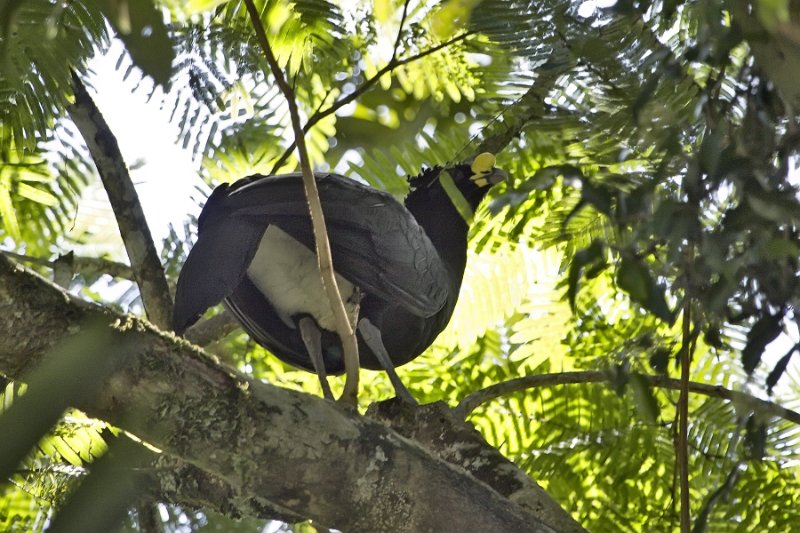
{"type": "Point", "coordinates": [483, 171]}
{"type": "Point", "coordinates": [463, 185]}
{"type": "Point", "coordinates": [478, 174]}
{"type": "Point", "coordinates": [468, 183]}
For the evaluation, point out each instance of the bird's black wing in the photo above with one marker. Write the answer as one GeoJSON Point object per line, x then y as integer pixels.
{"type": "Point", "coordinates": [375, 241]}
{"type": "Point", "coordinates": [217, 261]}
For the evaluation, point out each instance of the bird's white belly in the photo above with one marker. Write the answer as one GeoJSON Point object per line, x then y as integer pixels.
{"type": "Point", "coordinates": [286, 272]}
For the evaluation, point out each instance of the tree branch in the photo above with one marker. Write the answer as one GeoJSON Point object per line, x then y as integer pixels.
{"type": "Point", "coordinates": [437, 427]}
{"type": "Point", "coordinates": [176, 481]}
{"type": "Point", "coordinates": [682, 442]}
{"type": "Point", "coordinates": [399, 38]}
{"type": "Point", "coordinates": [88, 266]}
{"type": "Point", "coordinates": [301, 454]}
{"type": "Point", "coordinates": [212, 329]}
{"type": "Point", "coordinates": [492, 392]}
{"type": "Point", "coordinates": [144, 259]}
{"type": "Point", "coordinates": [323, 248]}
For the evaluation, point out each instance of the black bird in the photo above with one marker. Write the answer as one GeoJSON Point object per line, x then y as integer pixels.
{"type": "Point", "coordinates": [399, 267]}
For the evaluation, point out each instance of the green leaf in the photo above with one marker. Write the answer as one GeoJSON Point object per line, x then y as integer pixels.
{"type": "Point", "coordinates": [459, 202]}
{"type": "Point", "coordinates": [594, 256]}
{"type": "Point", "coordinates": [35, 412]}
{"type": "Point", "coordinates": [7, 213]}
{"type": "Point", "coordinates": [7, 11]}
{"type": "Point", "coordinates": [775, 207]}
{"type": "Point", "coordinates": [659, 360]}
{"type": "Point", "coordinates": [37, 195]}
{"type": "Point", "coordinates": [764, 331]}
{"type": "Point", "coordinates": [657, 304]}
{"type": "Point", "coordinates": [452, 16]}
{"type": "Point", "coordinates": [780, 367]}
{"type": "Point", "coordinates": [545, 177]}
{"type": "Point", "coordinates": [634, 277]}
{"type": "Point", "coordinates": [712, 337]}
{"type": "Point", "coordinates": [773, 13]}
{"type": "Point", "coordinates": [780, 248]}
{"type": "Point", "coordinates": [192, 7]}
{"type": "Point", "coordinates": [711, 148]}
{"type": "Point", "coordinates": [598, 196]}
{"type": "Point", "coordinates": [382, 10]}
{"type": "Point", "coordinates": [140, 25]}
{"type": "Point", "coordinates": [755, 437]}
{"type": "Point", "coordinates": [645, 94]}
{"type": "Point", "coordinates": [114, 481]}
{"type": "Point", "coordinates": [646, 403]}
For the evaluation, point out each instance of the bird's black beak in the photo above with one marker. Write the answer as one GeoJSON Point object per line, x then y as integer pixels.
{"type": "Point", "coordinates": [496, 176]}
{"type": "Point", "coordinates": [489, 177]}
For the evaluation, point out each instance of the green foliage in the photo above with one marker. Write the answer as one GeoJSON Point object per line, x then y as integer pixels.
{"type": "Point", "coordinates": [43, 169]}
{"type": "Point", "coordinates": [651, 148]}
{"type": "Point", "coordinates": [45, 479]}
{"type": "Point", "coordinates": [40, 44]}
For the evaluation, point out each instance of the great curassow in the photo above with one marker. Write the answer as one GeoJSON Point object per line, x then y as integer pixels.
{"type": "Point", "coordinates": [399, 267]}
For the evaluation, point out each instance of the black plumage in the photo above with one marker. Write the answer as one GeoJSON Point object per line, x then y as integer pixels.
{"type": "Point", "coordinates": [404, 263]}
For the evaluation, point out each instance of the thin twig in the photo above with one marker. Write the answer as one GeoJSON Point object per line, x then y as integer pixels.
{"type": "Point", "coordinates": [687, 349]}
{"type": "Point", "coordinates": [88, 266]}
{"type": "Point", "coordinates": [682, 445]}
{"type": "Point", "coordinates": [400, 29]}
{"type": "Point", "coordinates": [133, 228]}
{"type": "Point", "coordinates": [323, 249]}
{"type": "Point", "coordinates": [364, 87]}
{"type": "Point", "coordinates": [492, 392]}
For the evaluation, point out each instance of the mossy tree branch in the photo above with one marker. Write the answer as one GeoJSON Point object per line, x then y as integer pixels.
{"type": "Point", "coordinates": [290, 450]}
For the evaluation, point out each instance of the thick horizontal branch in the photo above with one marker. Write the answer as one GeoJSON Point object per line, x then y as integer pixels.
{"type": "Point", "coordinates": [471, 402]}
{"type": "Point", "coordinates": [176, 481]}
{"type": "Point", "coordinates": [303, 455]}
{"type": "Point", "coordinates": [437, 427]}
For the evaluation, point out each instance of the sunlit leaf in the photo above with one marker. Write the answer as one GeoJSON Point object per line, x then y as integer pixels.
{"type": "Point", "coordinates": [37, 195]}
{"type": "Point", "coordinates": [140, 25]}
{"type": "Point", "coordinates": [763, 332]}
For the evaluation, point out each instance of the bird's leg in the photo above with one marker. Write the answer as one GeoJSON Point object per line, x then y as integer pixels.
{"type": "Point", "coordinates": [312, 338]}
{"type": "Point", "coordinates": [372, 337]}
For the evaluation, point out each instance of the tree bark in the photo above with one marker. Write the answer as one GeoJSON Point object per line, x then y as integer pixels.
{"type": "Point", "coordinates": [142, 254]}
{"type": "Point", "coordinates": [298, 454]}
